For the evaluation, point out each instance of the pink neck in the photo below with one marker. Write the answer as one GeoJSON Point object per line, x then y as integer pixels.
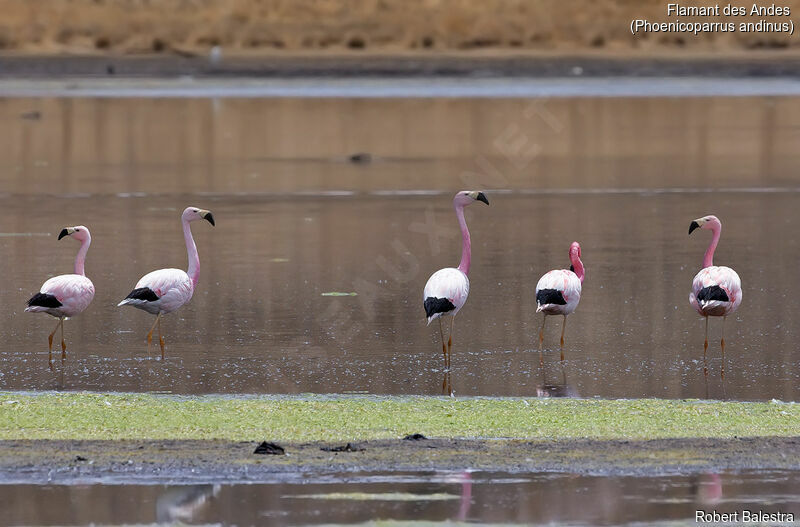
{"type": "Point", "coordinates": [708, 259]}
{"type": "Point", "coordinates": [81, 257]}
{"type": "Point", "coordinates": [466, 244]}
{"type": "Point", "coordinates": [191, 250]}
{"type": "Point", "coordinates": [577, 266]}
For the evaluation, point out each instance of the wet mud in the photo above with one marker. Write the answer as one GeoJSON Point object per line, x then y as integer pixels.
{"type": "Point", "coordinates": [65, 462]}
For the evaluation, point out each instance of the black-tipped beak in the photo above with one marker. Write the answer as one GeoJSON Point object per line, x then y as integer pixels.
{"type": "Point", "coordinates": [482, 197]}
{"type": "Point", "coordinates": [64, 232]}
{"type": "Point", "coordinates": [210, 218]}
{"type": "Point", "coordinates": [692, 226]}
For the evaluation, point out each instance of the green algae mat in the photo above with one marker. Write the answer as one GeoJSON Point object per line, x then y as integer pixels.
{"type": "Point", "coordinates": [333, 418]}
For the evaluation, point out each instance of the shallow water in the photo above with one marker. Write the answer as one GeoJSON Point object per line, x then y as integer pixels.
{"type": "Point", "coordinates": [474, 497]}
{"type": "Point", "coordinates": [296, 219]}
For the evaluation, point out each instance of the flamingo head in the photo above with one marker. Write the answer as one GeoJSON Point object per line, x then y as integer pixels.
{"type": "Point", "coordinates": [574, 251]}
{"type": "Point", "coordinates": [468, 197]}
{"type": "Point", "coordinates": [706, 222]}
{"type": "Point", "coordinates": [193, 214]}
{"type": "Point", "coordinates": [79, 232]}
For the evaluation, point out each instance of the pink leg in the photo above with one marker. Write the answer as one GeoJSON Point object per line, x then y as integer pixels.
{"type": "Point", "coordinates": [450, 343]}
{"type": "Point", "coordinates": [705, 349]}
{"type": "Point", "coordinates": [160, 338]}
{"type": "Point", "coordinates": [541, 341]}
{"type": "Point", "coordinates": [444, 345]}
{"type": "Point", "coordinates": [722, 343]}
{"type": "Point", "coordinates": [63, 342]}
{"type": "Point", "coordinates": [150, 333]}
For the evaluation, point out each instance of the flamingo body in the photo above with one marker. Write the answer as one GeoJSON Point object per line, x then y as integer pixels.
{"type": "Point", "coordinates": [445, 293]}
{"type": "Point", "coordinates": [161, 291]}
{"type": "Point", "coordinates": [558, 292]}
{"type": "Point", "coordinates": [716, 291]}
{"type": "Point", "coordinates": [165, 290]}
{"type": "Point", "coordinates": [65, 295]}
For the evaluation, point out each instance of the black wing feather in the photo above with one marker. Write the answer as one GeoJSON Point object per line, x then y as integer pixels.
{"type": "Point", "coordinates": [143, 293]}
{"type": "Point", "coordinates": [713, 292]}
{"type": "Point", "coordinates": [44, 300]}
{"type": "Point", "coordinates": [437, 305]}
{"type": "Point", "coordinates": [550, 296]}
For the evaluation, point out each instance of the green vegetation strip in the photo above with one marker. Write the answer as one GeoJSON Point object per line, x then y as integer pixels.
{"type": "Point", "coordinates": [337, 418]}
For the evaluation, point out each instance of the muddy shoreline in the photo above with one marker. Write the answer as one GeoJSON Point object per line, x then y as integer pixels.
{"type": "Point", "coordinates": [70, 462]}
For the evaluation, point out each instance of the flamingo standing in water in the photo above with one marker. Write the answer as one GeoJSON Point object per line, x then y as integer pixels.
{"type": "Point", "coordinates": [65, 295]}
{"type": "Point", "coordinates": [716, 290]}
{"type": "Point", "coordinates": [165, 290]}
{"type": "Point", "coordinates": [558, 293]}
{"type": "Point", "coordinates": [447, 289]}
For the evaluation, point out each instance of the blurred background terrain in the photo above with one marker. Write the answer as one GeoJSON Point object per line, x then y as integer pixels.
{"type": "Point", "coordinates": [384, 26]}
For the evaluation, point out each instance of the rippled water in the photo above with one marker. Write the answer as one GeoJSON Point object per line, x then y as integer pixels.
{"type": "Point", "coordinates": [474, 497]}
{"type": "Point", "coordinates": [297, 219]}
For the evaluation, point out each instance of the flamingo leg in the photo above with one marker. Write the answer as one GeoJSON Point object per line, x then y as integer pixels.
{"type": "Point", "coordinates": [160, 338]}
{"type": "Point", "coordinates": [450, 342]}
{"type": "Point", "coordinates": [541, 340]}
{"type": "Point", "coordinates": [150, 333]}
{"type": "Point", "coordinates": [705, 348]}
{"type": "Point", "coordinates": [722, 344]}
{"type": "Point", "coordinates": [444, 345]}
{"type": "Point", "coordinates": [50, 337]}
{"type": "Point", "coordinates": [63, 342]}
{"type": "Point", "coordinates": [563, 329]}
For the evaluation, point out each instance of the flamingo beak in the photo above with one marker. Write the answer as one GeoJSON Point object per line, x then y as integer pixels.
{"type": "Point", "coordinates": [692, 226]}
{"type": "Point", "coordinates": [65, 232]}
{"type": "Point", "coordinates": [482, 197]}
{"type": "Point", "coordinates": [206, 215]}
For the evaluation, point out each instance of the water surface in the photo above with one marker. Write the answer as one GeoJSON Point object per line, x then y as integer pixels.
{"type": "Point", "coordinates": [474, 497]}
{"type": "Point", "coordinates": [296, 219]}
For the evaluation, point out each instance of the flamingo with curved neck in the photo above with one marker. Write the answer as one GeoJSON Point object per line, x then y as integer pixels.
{"type": "Point", "coordinates": [165, 290]}
{"type": "Point", "coordinates": [716, 290]}
{"type": "Point", "coordinates": [66, 295]}
{"type": "Point", "coordinates": [558, 293]}
{"type": "Point", "coordinates": [446, 290]}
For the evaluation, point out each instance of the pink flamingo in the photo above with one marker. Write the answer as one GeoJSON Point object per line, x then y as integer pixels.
{"type": "Point", "coordinates": [446, 290]}
{"type": "Point", "coordinates": [165, 290]}
{"type": "Point", "coordinates": [716, 290]}
{"type": "Point", "coordinates": [68, 294]}
{"type": "Point", "coordinates": [558, 293]}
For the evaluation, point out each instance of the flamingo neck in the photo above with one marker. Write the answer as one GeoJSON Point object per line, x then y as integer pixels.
{"type": "Point", "coordinates": [708, 259]}
{"type": "Point", "coordinates": [466, 244]}
{"type": "Point", "coordinates": [191, 250]}
{"type": "Point", "coordinates": [577, 266]}
{"type": "Point", "coordinates": [80, 259]}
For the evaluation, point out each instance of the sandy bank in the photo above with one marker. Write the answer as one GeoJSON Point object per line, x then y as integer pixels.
{"type": "Point", "coordinates": [257, 26]}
